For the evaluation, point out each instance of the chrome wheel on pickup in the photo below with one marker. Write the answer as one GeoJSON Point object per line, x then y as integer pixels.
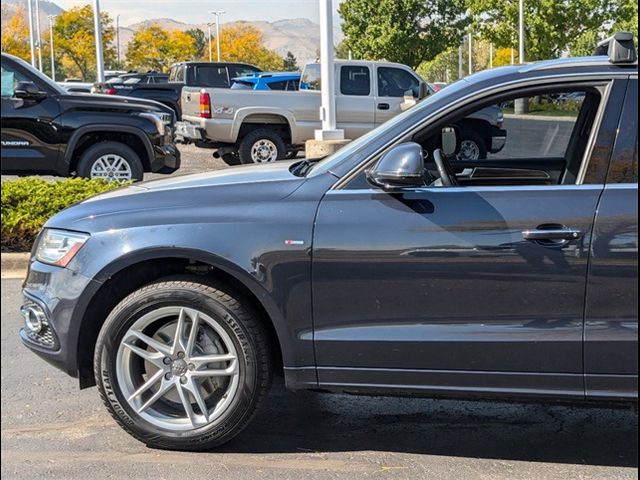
{"type": "Point", "coordinates": [264, 145]}
{"type": "Point", "coordinates": [182, 365]}
{"type": "Point", "coordinates": [111, 161]}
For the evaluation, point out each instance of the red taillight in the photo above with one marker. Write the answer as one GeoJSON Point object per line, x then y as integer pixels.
{"type": "Point", "coordinates": [110, 91]}
{"type": "Point", "coordinates": [205, 105]}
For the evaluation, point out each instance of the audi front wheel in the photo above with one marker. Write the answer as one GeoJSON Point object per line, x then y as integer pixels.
{"type": "Point", "coordinates": [182, 365]}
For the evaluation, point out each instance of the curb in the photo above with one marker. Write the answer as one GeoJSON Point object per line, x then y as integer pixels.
{"type": "Point", "coordinates": [14, 265]}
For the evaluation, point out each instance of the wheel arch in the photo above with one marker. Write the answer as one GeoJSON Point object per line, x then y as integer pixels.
{"type": "Point", "coordinates": [248, 119]}
{"type": "Point", "coordinates": [131, 136]}
{"type": "Point", "coordinates": [121, 277]}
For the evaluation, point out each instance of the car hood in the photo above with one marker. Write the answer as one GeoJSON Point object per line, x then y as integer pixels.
{"type": "Point", "coordinates": [182, 199]}
{"type": "Point", "coordinates": [106, 103]}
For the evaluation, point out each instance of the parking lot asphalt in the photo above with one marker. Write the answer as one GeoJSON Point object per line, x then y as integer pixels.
{"type": "Point", "coordinates": [50, 429]}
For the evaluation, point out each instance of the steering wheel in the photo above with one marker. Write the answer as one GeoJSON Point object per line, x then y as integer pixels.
{"type": "Point", "coordinates": [447, 175]}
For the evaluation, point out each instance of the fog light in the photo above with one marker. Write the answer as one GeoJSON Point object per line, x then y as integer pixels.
{"type": "Point", "coordinates": [34, 318]}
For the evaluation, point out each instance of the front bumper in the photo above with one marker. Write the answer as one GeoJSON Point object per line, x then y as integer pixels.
{"type": "Point", "coordinates": [498, 139]}
{"type": "Point", "coordinates": [166, 158]}
{"type": "Point", "coordinates": [61, 294]}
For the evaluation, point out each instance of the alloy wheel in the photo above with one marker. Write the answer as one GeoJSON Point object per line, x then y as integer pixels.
{"type": "Point", "coordinates": [178, 368]}
{"type": "Point", "coordinates": [111, 167]}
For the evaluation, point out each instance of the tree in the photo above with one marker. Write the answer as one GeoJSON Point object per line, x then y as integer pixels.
{"type": "Point", "coordinates": [502, 57]}
{"type": "Point", "coordinates": [243, 43]}
{"type": "Point", "coordinates": [74, 40]}
{"type": "Point", "coordinates": [154, 48]}
{"type": "Point", "coordinates": [290, 63]}
{"type": "Point", "coordinates": [199, 42]}
{"type": "Point", "coordinates": [443, 68]}
{"type": "Point", "coordinates": [405, 31]}
{"type": "Point", "coordinates": [552, 27]}
{"type": "Point", "coordinates": [15, 36]}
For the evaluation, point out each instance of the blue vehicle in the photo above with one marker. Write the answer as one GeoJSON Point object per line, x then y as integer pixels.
{"type": "Point", "coordinates": [268, 81]}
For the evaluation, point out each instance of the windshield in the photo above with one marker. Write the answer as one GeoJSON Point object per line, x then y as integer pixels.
{"type": "Point", "coordinates": [132, 81]}
{"type": "Point", "coordinates": [42, 78]}
{"type": "Point", "coordinates": [329, 162]}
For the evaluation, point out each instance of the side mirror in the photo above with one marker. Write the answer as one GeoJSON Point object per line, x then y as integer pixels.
{"type": "Point", "coordinates": [449, 141]}
{"type": "Point", "coordinates": [423, 90]}
{"type": "Point", "coordinates": [29, 91]}
{"type": "Point", "coordinates": [402, 166]}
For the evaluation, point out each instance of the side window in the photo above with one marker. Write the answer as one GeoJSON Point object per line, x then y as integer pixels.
{"type": "Point", "coordinates": [537, 140]}
{"type": "Point", "coordinates": [293, 85]}
{"type": "Point", "coordinates": [211, 76]}
{"type": "Point", "coordinates": [241, 71]}
{"type": "Point", "coordinates": [623, 167]}
{"type": "Point", "coordinates": [396, 82]}
{"type": "Point", "coordinates": [355, 80]}
{"type": "Point", "coordinates": [10, 80]}
{"type": "Point", "coordinates": [282, 85]}
{"type": "Point", "coordinates": [311, 77]}
{"type": "Point", "coordinates": [177, 74]}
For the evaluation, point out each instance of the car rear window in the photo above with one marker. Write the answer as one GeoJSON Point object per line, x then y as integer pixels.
{"type": "Point", "coordinates": [211, 76]}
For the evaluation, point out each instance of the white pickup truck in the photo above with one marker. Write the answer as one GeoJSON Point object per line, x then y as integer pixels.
{"type": "Point", "coordinates": [253, 126]}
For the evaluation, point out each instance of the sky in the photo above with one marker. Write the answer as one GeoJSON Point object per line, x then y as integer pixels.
{"type": "Point", "coordinates": [195, 11]}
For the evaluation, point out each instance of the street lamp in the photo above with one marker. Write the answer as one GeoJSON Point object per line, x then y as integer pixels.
{"type": "Point", "coordinates": [218, 14]}
{"type": "Point", "coordinates": [521, 28]}
{"type": "Point", "coordinates": [32, 45]}
{"type": "Point", "coordinates": [209, 37]}
{"type": "Point", "coordinates": [53, 60]}
{"type": "Point", "coordinates": [38, 36]}
{"type": "Point", "coordinates": [118, 39]}
{"type": "Point", "coordinates": [98, 34]}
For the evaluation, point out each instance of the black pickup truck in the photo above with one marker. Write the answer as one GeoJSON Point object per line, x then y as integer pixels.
{"type": "Point", "coordinates": [192, 74]}
{"type": "Point", "coordinates": [47, 130]}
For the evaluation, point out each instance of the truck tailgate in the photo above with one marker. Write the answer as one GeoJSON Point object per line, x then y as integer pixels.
{"type": "Point", "coordinates": [191, 101]}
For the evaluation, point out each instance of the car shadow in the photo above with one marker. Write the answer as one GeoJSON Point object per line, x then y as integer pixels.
{"type": "Point", "coordinates": [313, 422]}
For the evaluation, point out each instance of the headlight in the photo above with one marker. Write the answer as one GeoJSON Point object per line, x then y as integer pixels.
{"type": "Point", "coordinates": [58, 247]}
{"type": "Point", "coordinates": [159, 119]}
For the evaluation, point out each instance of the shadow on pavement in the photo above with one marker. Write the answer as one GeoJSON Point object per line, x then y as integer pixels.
{"type": "Point", "coordinates": [305, 421]}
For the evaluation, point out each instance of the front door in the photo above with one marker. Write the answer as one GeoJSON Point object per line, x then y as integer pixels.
{"type": "Point", "coordinates": [449, 288]}
{"type": "Point", "coordinates": [30, 141]}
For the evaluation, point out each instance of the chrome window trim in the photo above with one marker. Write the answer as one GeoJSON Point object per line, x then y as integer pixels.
{"type": "Point", "coordinates": [488, 189]}
{"type": "Point", "coordinates": [597, 123]}
{"type": "Point", "coordinates": [464, 101]}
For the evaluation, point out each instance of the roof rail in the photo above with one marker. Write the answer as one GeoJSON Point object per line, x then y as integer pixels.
{"type": "Point", "coordinates": [620, 48]}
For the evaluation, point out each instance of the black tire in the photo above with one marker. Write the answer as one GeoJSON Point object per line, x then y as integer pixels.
{"type": "Point", "coordinates": [107, 148]}
{"type": "Point", "coordinates": [256, 136]}
{"type": "Point", "coordinates": [475, 139]}
{"type": "Point", "coordinates": [235, 317]}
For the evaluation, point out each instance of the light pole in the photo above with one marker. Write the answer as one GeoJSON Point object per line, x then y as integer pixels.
{"type": "Point", "coordinates": [53, 59]}
{"type": "Point", "coordinates": [521, 28]}
{"type": "Point", "coordinates": [470, 53]}
{"type": "Point", "coordinates": [32, 46]}
{"type": "Point", "coordinates": [98, 34]}
{"type": "Point", "coordinates": [218, 14]}
{"type": "Point", "coordinates": [118, 39]}
{"type": "Point", "coordinates": [38, 37]}
{"type": "Point", "coordinates": [209, 35]}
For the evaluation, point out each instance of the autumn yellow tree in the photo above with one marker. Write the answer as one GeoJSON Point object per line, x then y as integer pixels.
{"type": "Point", "coordinates": [154, 48]}
{"type": "Point", "coordinates": [503, 57]}
{"type": "Point", "coordinates": [74, 41]}
{"type": "Point", "coordinates": [243, 43]}
{"type": "Point", "coordinates": [15, 36]}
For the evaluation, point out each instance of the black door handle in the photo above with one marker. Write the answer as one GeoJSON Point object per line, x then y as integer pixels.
{"type": "Point", "coordinates": [552, 234]}
{"type": "Point", "coordinates": [383, 106]}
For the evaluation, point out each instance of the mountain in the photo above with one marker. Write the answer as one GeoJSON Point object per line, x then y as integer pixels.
{"type": "Point", "coordinates": [300, 36]}
{"type": "Point", "coordinates": [47, 8]}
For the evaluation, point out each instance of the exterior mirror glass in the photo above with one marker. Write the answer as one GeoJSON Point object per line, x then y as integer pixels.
{"type": "Point", "coordinates": [402, 166]}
